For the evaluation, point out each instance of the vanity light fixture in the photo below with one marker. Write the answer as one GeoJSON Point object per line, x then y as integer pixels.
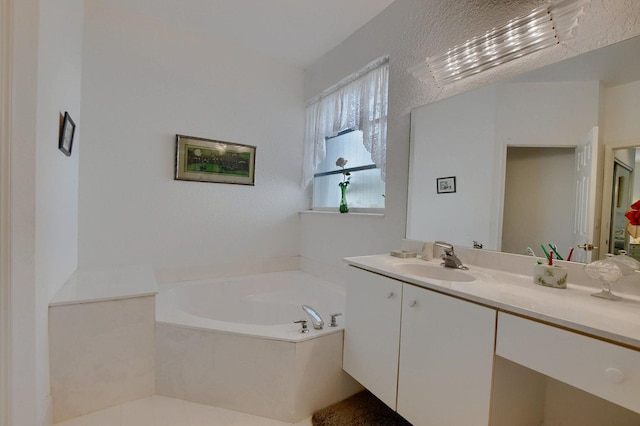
{"type": "Point", "coordinates": [543, 27]}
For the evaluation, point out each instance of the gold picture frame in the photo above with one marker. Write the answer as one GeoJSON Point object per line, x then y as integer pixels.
{"type": "Point", "coordinates": [208, 160]}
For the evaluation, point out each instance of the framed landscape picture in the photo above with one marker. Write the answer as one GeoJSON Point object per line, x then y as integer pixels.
{"type": "Point", "coordinates": [206, 160]}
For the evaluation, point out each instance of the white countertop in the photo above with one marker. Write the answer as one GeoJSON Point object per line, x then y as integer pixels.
{"type": "Point", "coordinates": [108, 283]}
{"type": "Point", "coordinates": [573, 308]}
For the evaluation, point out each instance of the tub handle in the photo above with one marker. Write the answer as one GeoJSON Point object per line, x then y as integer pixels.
{"type": "Point", "coordinates": [304, 328]}
{"type": "Point", "coordinates": [334, 323]}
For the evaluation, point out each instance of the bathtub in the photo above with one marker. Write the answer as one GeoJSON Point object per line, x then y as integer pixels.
{"type": "Point", "coordinates": [232, 343]}
{"type": "Point", "coordinates": [261, 305]}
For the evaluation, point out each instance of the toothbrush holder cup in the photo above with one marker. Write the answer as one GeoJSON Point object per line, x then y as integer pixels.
{"type": "Point", "coordinates": [550, 276]}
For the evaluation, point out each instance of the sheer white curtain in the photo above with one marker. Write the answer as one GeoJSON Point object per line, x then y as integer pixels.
{"type": "Point", "coordinates": [359, 102]}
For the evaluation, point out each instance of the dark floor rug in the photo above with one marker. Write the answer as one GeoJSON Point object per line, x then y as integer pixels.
{"type": "Point", "coordinates": [362, 409]}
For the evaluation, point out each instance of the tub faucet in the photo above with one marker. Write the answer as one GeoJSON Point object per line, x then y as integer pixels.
{"type": "Point", "coordinates": [316, 319]}
{"type": "Point", "coordinates": [449, 257]}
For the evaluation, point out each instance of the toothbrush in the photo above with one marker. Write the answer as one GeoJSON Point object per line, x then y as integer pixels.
{"type": "Point", "coordinates": [551, 258]}
{"type": "Point", "coordinates": [570, 254]}
{"type": "Point", "coordinates": [555, 249]}
{"type": "Point", "coordinates": [546, 253]}
{"type": "Point", "coordinates": [530, 252]}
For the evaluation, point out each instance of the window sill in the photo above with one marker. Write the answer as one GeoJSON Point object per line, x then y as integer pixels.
{"type": "Point", "coordinates": [351, 213]}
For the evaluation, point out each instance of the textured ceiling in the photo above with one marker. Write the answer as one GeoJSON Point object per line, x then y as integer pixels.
{"type": "Point", "coordinates": [297, 32]}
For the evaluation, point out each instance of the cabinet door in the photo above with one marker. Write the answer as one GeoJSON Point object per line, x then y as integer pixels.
{"type": "Point", "coordinates": [446, 359]}
{"type": "Point", "coordinates": [372, 332]}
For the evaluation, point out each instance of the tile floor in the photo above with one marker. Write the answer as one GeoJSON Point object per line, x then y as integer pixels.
{"type": "Point", "coordinates": [162, 411]}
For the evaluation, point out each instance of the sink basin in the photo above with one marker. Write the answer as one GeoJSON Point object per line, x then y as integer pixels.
{"type": "Point", "coordinates": [434, 272]}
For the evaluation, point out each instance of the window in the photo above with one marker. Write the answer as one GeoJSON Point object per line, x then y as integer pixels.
{"type": "Point", "coordinates": [349, 121]}
{"type": "Point", "coordinates": [366, 187]}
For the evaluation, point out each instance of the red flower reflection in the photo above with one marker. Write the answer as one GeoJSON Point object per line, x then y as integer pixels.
{"type": "Point", "coordinates": [634, 214]}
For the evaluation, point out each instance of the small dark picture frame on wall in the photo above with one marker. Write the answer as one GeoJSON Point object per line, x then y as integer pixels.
{"type": "Point", "coordinates": [446, 185]}
{"type": "Point", "coordinates": [67, 130]}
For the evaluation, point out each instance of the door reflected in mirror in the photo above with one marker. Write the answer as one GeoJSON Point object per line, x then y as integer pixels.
{"type": "Point", "coordinates": [539, 197]}
{"type": "Point", "coordinates": [626, 191]}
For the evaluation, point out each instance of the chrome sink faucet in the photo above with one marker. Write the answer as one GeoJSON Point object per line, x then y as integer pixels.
{"type": "Point", "coordinates": [316, 319]}
{"type": "Point", "coordinates": [449, 257]}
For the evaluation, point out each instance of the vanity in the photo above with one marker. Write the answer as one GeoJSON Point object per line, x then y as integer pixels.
{"type": "Point", "coordinates": [449, 347]}
{"type": "Point", "coordinates": [532, 159]}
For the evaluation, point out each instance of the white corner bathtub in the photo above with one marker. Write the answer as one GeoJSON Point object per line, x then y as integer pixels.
{"type": "Point", "coordinates": [232, 343]}
{"type": "Point", "coordinates": [261, 305]}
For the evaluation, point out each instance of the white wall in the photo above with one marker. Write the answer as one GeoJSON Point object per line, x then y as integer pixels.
{"type": "Point", "coordinates": [27, 402]}
{"type": "Point", "coordinates": [410, 31]}
{"type": "Point", "coordinates": [554, 114]}
{"type": "Point", "coordinates": [59, 79]}
{"type": "Point", "coordinates": [465, 148]}
{"type": "Point", "coordinates": [621, 105]}
{"type": "Point", "coordinates": [143, 83]}
{"type": "Point", "coordinates": [47, 46]}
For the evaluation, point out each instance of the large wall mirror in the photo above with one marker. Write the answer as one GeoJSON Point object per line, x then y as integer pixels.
{"type": "Point", "coordinates": [547, 157]}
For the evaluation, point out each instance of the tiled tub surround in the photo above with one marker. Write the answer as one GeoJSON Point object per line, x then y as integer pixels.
{"type": "Point", "coordinates": [101, 334]}
{"type": "Point", "coordinates": [106, 347]}
{"type": "Point", "coordinates": [258, 365]}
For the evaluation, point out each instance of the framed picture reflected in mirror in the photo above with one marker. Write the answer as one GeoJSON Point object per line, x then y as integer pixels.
{"type": "Point", "coordinates": [446, 185]}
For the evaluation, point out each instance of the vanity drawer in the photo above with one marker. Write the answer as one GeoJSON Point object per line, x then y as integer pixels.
{"type": "Point", "coordinates": [609, 371]}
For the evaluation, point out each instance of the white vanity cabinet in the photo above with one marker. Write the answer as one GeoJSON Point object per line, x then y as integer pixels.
{"type": "Point", "coordinates": [446, 359]}
{"type": "Point", "coordinates": [430, 353]}
{"type": "Point", "coordinates": [609, 371]}
{"type": "Point", "coordinates": [498, 350]}
{"type": "Point", "coordinates": [372, 332]}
